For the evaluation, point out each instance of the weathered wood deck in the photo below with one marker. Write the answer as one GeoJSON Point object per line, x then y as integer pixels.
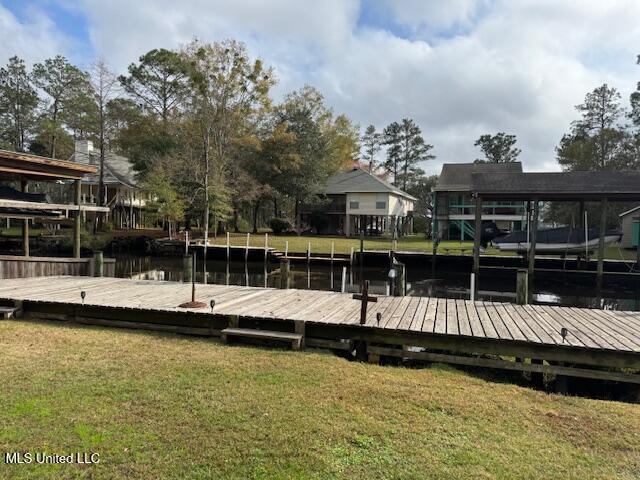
{"type": "Point", "coordinates": [594, 337]}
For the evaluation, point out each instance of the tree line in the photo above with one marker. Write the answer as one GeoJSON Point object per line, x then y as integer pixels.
{"type": "Point", "coordinates": [203, 132]}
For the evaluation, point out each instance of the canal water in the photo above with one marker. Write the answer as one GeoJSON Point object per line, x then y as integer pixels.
{"type": "Point", "coordinates": [557, 289]}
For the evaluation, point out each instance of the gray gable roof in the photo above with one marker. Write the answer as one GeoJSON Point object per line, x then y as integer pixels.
{"type": "Point", "coordinates": [360, 181]}
{"type": "Point", "coordinates": [456, 177]}
{"type": "Point", "coordinates": [118, 170]}
{"type": "Point", "coordinates": [559, 185]}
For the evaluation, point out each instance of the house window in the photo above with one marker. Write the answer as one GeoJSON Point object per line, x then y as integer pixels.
{"type": "Point", "coordinates": [381, 205]}
{"type": "Point", "coordinates": [354, 205]}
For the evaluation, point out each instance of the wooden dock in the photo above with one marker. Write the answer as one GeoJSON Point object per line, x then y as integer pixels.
{"type": "Point", "coordinates": [577, 342]}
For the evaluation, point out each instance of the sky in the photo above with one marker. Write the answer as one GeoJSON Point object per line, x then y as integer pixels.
{"type": "Point", "coordinates": [459, 68]}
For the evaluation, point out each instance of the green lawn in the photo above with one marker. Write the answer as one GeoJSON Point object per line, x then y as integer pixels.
{"type": "Point", "coordinates": [322, 244]}
{"type": "Point", "coordinates": [161, 406]}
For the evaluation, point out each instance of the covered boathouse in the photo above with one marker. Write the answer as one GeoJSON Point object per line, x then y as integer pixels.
{"type": "Point", "coordinates": [21, 174]}
{"type": "Point", "coordinates": [536, 188]}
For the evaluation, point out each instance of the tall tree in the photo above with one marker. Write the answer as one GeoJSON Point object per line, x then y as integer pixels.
{"type": "Point", "coordinates": [413, 151]}
{"type": "Point", "coordinates": [596, 140]}
{"type": "Point", "coordinates": [63, 83]}
{"type": "Point", "coordinates": [372, 143]}
{"type": "Point", "coordinates": [343, 142]}
{"type": "Point", "coordinates": [104, 85]}
{"type": "Point", "coordinates": [304, 114]}
{"type": "Point", "coordinates": [226, 88]}
{"type": "Point", "coordinates": [635, 101]}
{"type": "Point", "coordinates": [498, 148]}
{"type": "Point", "coordinates": [18, 102]}
{"type": "Point", "coordinates": [392, 135]}
{"type": "Point", "coordinates": [158, 82]}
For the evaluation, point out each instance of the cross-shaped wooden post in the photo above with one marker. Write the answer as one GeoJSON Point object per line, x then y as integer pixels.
{"type": "Point", "coordinates": [364, 296]}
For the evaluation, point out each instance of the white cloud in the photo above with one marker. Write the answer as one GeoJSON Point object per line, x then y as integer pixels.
{"type": "Point", "coordinates": [34, 40]}
{"type": "Point", "coordinates": [467, 67]}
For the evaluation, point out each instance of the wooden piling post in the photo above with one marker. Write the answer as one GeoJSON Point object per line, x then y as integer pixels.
{"type": "Point", "coordinates": [246, 250]}
{"type": "Point", "coordinates": [77, 187]}
{"type": "Point", "coordinates": [533, 230]}
{"type": "Point", "coordinates": [351, 258]}
{"type": "Point", "coordinates": [266, 245]}
{"type": "Point", "coordinates": [285, 273]}
{"type": "Point", "coordinates": [522, 287]}
{"type": "Point", "coordinates": [477, 237]}
{"type": "Point", "coordinates": [361, 259]}
{"type": "Point", "coordinates": [25, 225]}
{"type": "Point", "coordinates": [98, 264]}
{"type": "Point", "coordinates": [399, 289]}
{"type": "Point", "coordinates": [308, 254]}
{"type": "Point", "coordinates": [603, 228]}
{"type": "Point", "coordinates": [228, 247]}
{"type": "Point", "coordinates": [472, 287]}
{"type": "Point", "coordinates": [332, 252]}
{"type": "Point", "coordinates": [187, 264]}
{"type": "Point", "coordinates": [286, 248]}
{"type": "Point", "coordinates": [343, 287]}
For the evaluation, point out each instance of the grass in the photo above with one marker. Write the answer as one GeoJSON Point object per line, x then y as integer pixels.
{"type": "Point", "coordinates": [160, 406]}
{"type": "Point", "coordinates": [322, 244]}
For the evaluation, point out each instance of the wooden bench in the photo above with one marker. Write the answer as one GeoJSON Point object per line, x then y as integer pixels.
{"type": "Point", "coordinates": [294, 338]}
{"type": "Point", "coordinates": [8, 312]}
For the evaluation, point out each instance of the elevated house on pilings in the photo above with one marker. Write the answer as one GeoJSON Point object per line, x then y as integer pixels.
{"type": "Point", "coordinates": [122, 192]}
{"type": "Point", "coordinates": [536, 188]}
{"type": "Point", "coordinates": [455, 208]}
{"type": "Point", "coordinates": [358, 201]}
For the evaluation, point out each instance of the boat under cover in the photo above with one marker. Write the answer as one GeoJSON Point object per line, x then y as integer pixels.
{"type": "Point", "coordinates": [559, 241]}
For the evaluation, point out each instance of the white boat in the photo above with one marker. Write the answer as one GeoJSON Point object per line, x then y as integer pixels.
{"type": "Point", "coordinates": [556, 241]}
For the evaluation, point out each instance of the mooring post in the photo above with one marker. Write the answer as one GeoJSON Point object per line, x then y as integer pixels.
{"type": "Point", "coordinates": [399, 284]}
{"type": "Point", "coordinates": [186, 242]}
{"type": "Point", "coordinates": [472, 288]}
{"type": "Point", "coordinates": [522, 287]}
{"type": "Point", "coordinates": [477, 238]}
{"type": "Point", "coordinates": [285, 272]}
{"type": "Point", "coordinates": [98, 264]}
{"type": "Point", "coordinates": [246, 250]}
{"type": "Point", "coordinates": [603, 228]}
{"type": "Point", "coordinates": [187, 264]}
{"type": "Point", "coordinates": [193, 277]}
{"type": "Point", "coordinates": [228, 247]}
{"type": "Point", "coordinates": [533, 233]}
{"type": "Point", "coordinates": [332, 251]}
{"type": "Point", "coordinates": [361, 259]}
{"type": "Point", "coordinates": [343, 288]}
{"type": "Point", "coordinates": [638, 249]}
{"type": "Point", "coordinates": [266, 246]}
{"type": "Point", "coordinates": [308, 254]}
{"type": "Point", "coordinates": [351, 258]}
{"type": "Point", "coordinates": [77, 193]}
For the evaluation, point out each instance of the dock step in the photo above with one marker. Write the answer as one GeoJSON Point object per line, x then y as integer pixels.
{"type": "Point", "coordinates": [294, 338]}
{"type": "Point", "coordinates": [8, 312]}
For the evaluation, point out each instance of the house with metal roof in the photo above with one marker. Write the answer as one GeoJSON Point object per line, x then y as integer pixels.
{"type": "Point", "coordinates": [359, 201]}
{"type": "Point", "coordinates": [455, 209]}
{"type": "Point", "coordinates": [122, 192]}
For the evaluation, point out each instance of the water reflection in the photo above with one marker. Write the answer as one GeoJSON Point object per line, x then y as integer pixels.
{"type": "Point", "coordinates": [558, 290]}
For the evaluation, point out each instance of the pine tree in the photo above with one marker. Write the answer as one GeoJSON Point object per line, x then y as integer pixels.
{"type": "Point", "coordinates": [18, 102]}
{"type": "Point", "coordinates": [371, 142]}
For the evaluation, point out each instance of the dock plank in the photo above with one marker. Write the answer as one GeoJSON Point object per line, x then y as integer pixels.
{"type": "Point", "coordinates": [534, 324]}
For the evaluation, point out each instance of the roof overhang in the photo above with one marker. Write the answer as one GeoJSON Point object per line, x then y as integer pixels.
{"type": "Point", "coordinates": [558, 186]}
{"type": "Point", "coordinates": [19, 166]}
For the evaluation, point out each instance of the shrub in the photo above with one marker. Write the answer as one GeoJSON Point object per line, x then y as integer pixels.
{"type": "Point", "coordinates": [279, 225]}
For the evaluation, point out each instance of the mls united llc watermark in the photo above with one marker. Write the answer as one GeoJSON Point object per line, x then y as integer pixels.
{"type": "Point", "coordinates": [24, 458]}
